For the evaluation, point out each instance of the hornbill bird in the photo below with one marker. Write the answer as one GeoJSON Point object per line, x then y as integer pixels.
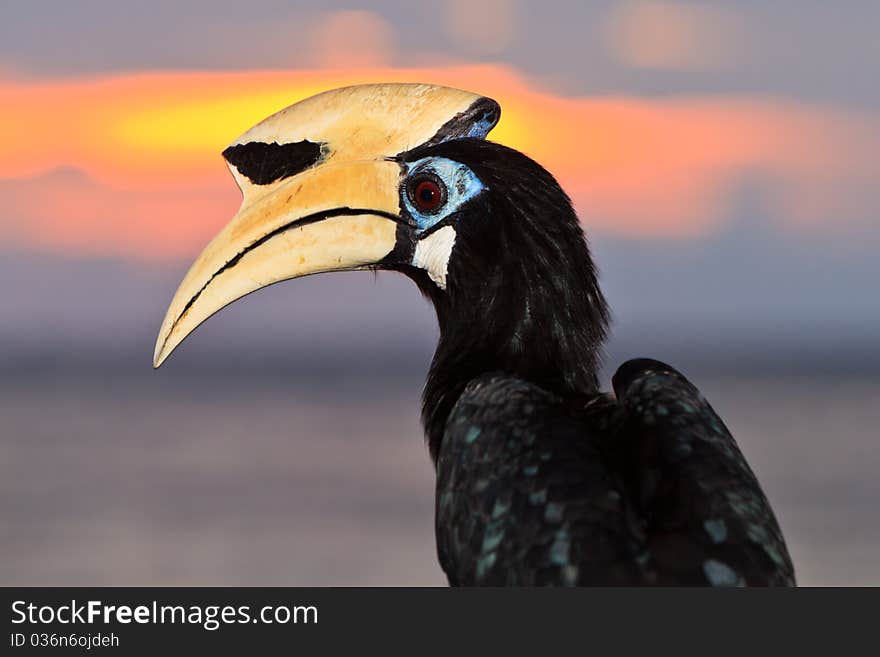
{"type": "Point", "coordinates": [542, 479]}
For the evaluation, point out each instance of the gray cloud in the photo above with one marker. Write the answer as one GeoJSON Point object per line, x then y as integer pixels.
{"type": "Point", "coordinates": [808, 49]}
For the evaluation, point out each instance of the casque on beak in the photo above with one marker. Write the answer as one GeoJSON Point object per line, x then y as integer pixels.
{"type": "Point", "coordinates": [320, 192]}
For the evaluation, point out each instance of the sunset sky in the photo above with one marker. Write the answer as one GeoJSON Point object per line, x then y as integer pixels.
{"type": "Point", "coordinates": [723, 159]}
{"type": "Point", "coordinates": [725, 131]}
{"type": "Point", "coordinates": [110, 147]}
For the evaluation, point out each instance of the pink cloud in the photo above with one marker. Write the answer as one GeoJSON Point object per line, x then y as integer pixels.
{"type": "Point", "coordinates": [152, 184]}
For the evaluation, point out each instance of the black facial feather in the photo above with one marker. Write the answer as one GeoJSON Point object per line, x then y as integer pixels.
{"type": "Point", "coordinates": [522, 293]}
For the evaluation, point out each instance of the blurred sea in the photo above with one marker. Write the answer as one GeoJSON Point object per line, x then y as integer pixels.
{"type": "Point", "coordinates": [119, 479]}
{"type": "Point", "coordinates": [281, 445]}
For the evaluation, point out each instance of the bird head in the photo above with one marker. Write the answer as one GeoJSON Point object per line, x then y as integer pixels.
{"type": "Point", "coordinates": [400, 177]}
{"type": "Point", "coordinates": [324, 190]}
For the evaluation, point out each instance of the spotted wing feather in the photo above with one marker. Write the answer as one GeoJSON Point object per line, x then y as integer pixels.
{"type": "Point", "coordinates": [706, 519]}
{"type": "Point", "coordinates": [519, 502]}
{"type": "Point", "coordinates": [646, 489]}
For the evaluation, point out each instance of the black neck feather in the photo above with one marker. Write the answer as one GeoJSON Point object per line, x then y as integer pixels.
{"type": "Point", "coordinates": [522, 296]}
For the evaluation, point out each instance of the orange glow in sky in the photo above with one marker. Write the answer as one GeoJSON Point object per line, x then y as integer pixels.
{"type": "Point", "coordinates": [130, 164]}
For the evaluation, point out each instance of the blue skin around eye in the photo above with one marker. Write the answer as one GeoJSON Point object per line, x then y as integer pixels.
{"type": "Point", "coordinates": [480, 129]}
{"type": "Point", "coordinates": [461, 186]}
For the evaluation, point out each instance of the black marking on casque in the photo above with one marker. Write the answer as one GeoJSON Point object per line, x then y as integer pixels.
{"type": "Point", "coordinates": [264, 163]}
{"type": "Point", "coordinates": [302, 221]}
{"type": "Point", "coordinates": [482, 115]}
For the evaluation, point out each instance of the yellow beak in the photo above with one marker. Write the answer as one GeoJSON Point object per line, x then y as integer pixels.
{"type": "Point", "coordinates": [341, 212]}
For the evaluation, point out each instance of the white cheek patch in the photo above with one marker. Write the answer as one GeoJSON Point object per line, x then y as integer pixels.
{"type": "Point", "coordinates": [432, 254]}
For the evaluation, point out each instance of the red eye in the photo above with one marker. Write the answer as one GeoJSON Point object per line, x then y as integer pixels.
{"type": "Point", "coordinates": [427, 193]}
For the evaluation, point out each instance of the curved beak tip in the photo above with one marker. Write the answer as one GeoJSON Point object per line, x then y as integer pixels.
{"type": "Point", "coordinates": [158, 355]}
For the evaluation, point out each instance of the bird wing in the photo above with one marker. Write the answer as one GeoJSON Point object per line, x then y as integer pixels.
{"type": "Point", "coordinates": [522, 498]}
{"type": "Point", "coordinates": [706, 519]}
{"type": "Point", "coordinates": [646, 489]}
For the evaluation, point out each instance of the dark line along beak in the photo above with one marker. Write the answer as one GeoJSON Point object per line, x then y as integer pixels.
{"type": "Point", "coordinates": [331, 218]}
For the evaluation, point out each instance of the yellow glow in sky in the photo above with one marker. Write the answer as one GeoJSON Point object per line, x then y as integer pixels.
{"type": "Point", "coordinates": [148, 145]}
